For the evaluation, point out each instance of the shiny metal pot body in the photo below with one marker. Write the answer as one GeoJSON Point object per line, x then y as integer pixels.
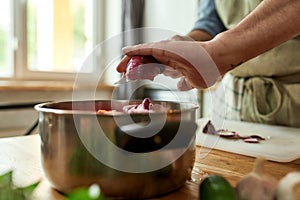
{"type": "Point", "coordinates": [71, 148]}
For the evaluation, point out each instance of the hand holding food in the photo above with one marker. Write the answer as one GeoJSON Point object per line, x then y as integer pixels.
{"type": "Point", "coordinates": [137, 70]}
{"type": "Point", "coordinates": [147, 68]}
{"type": "Point", "coordinates": [188, 58]}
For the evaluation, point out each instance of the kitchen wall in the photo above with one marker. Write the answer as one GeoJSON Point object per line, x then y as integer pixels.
{"type": "Point", "coordinates": [176, 15]}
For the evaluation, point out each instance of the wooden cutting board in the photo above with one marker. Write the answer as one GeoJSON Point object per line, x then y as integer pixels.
{"type": "Point", "coordinates": [282, 144]}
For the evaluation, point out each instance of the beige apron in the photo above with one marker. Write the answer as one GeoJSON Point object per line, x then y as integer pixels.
{"type": "Point", "coordinates": [271, 81]}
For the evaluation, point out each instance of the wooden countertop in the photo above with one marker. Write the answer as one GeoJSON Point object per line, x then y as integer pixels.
{"type": "Point", "coordinates": [22, 155]}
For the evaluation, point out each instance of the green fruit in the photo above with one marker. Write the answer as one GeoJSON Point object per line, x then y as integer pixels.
{"type": "Point", "coordinates": [216, 187]}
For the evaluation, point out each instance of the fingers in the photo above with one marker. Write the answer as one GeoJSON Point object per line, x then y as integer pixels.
{"type": "Point", "coordinates": [156, 49]}
{"type": "Point", "coordinates": [123, 64]}
{"type": "Point", "coordinates": [169, 71]}
{"type": "Point", "coordinates": [184, 85]}
{"type": "Point", "coordinates": [187, 58]}
{"type": "Point", "coordinates": [166, 52]}
{"type": "Point", "coordinates": [140, 49]}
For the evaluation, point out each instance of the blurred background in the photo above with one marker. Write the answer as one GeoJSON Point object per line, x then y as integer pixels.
{"type": "Point", "coordinates": [44, 43]}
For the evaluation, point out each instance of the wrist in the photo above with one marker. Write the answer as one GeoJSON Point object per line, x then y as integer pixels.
{"type": "Point", "coordinates": [223, 52]}
{"type": "Point", "coordinates": [214, 49]}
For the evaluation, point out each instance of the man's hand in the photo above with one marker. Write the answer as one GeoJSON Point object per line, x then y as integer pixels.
{"type": "Point", "coordinates": [188, 58]}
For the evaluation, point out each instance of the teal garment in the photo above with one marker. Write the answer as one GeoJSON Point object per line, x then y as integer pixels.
{"type": "Point", "coordinates": [208, 19]}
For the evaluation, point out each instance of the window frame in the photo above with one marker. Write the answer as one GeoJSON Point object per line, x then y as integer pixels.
{"type": "Point", "coordinates": [19, 38]}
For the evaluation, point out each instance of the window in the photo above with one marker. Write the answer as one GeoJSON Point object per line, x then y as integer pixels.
{"type": "Point", "coordinates": [59, 34]}
{"type": "Point", "coordinates": [50, 39]}
{"type": "Point", "coordinates": [6, 66]}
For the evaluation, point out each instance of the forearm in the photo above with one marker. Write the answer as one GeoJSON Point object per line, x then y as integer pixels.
{"type": "Point", "coordinates": [270, 24]}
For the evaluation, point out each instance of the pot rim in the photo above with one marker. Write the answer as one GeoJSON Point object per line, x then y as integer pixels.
{"type": "Point", "coordinates": [41, 108]}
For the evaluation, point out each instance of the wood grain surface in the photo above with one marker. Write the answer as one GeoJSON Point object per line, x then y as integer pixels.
{"type": "Point", "coordinates": [22, 155]}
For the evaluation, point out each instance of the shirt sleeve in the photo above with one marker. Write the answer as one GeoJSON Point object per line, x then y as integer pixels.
{"type": "Point", "coordinates": [208, 19]}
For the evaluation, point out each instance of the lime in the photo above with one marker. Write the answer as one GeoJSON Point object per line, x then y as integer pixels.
{"type": "Point", "coordinates": [216, 187]}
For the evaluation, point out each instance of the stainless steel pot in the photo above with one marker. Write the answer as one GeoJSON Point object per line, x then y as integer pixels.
{"type": "Point", "coordinates": [80, 147]}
